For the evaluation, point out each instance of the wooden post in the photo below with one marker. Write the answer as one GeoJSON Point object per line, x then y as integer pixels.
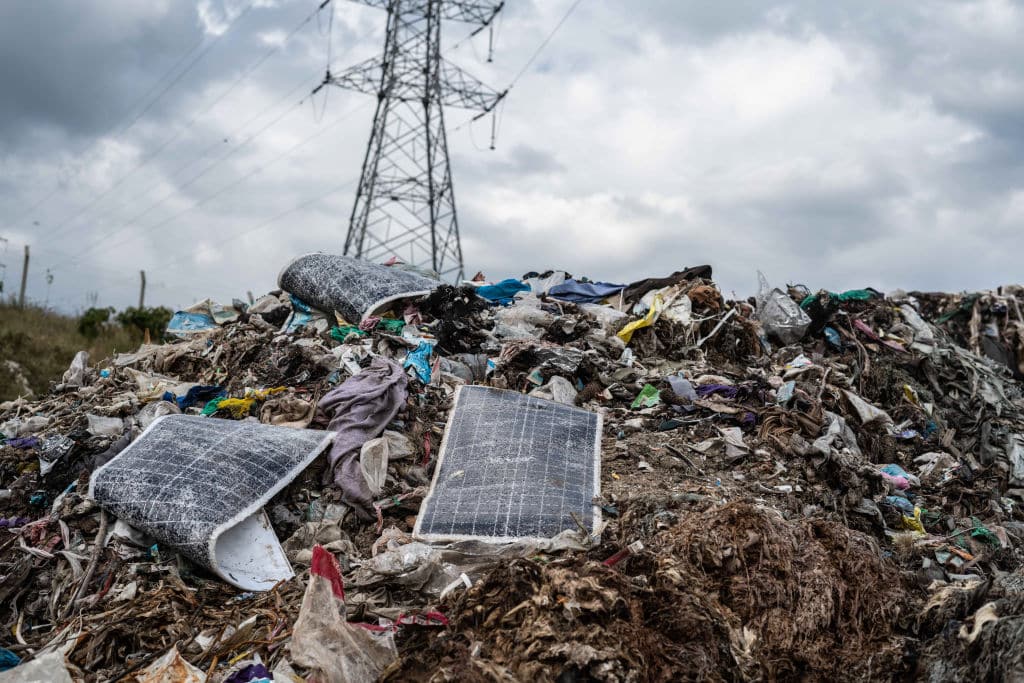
{"type": "Point", "coordinates": [142, 288]}
{"type": "Point", "coordinates": [24, 280]}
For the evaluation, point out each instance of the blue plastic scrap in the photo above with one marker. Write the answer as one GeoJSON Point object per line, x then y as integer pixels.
{"type": "Point", "coordinates": [901, 504]}
{"type": "Point", "coordinates": [503, 292]}
{"type": "Point", "coordinates": [785, 393]}
{"type": "Point", "coordinates": [419, 361]}
{"type": "Point", "coordinates": [196, 395]}
{"type": "Point", "coordinates": [832, 337]}
{"type": "Point", "coordinates": [8, 660]}
{"type": "Point", "coordinates": [302, 314]}
{"type": "Point", "coordinates": [184, 323]}
{"type": "Point", "coordinates": [584, 292]}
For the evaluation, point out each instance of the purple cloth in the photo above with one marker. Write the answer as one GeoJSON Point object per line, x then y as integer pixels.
{"type": "Point", "coordinates": [23, 442]}
{"type": "Point", "coordinates": [249, 673]}
{"type": "Point", "coordinates": [357, 411]}
{"type": "Point", "coordinates": [720, 389]}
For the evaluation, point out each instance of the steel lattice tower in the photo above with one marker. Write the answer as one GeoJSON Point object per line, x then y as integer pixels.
{"type": "Point", "coordinates": [405, 204]}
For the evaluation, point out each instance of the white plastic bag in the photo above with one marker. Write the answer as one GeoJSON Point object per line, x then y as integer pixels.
{"type": "Point", "coordinates": [780, 316]}
{"type": "Point", "coordinates": [323, 641]}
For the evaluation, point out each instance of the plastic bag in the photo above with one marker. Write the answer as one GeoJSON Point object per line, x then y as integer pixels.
{"type": "Point", "coordinates": [541, 285]}
{"type": "Point", "coordinates": [171, 668]}
{"type": "Point", "coordinates": [780, 316]}
{"type": "Point", "coordinates": [185, 324]}
{"type": "Point", "coordinates": [647, 398]}
{"type": "Point", "coordinates": [606, 316]}
{"type": "Point", "coordinates": [375, 455]}
{"type": "Point", "coordinates": [657, 306]}
{"type": "Point", "coordinates": [323, 641]}
{"type": "Point", "coordinates": [523, 320]}
{"type": "Point", "coordinates": [46, 668]}
{"type": "Point", "coordinates": [558, 389]}
{"type": "Point", "coordinates": [865, 411]}
{"type": "Point", "coordinates": [74, 376]}
{"type": "Point", "coordinates": [105, 426]}
{"type": "Point", "coordinates": [419, 361]}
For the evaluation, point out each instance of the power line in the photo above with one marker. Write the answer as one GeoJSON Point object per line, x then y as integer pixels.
{"type": "Point", "coordinates": [219, 142]}
{"type": "Point", "coordinates": [203, 172]}
{"type": "Point", "coordinates": [46, 249]}
{"type": "Point", "coordinates": [544, 43]}
{"type": "Point", "coordinates": [156, 84]}
{"type": "Point", "coordinates": [99, 242]}
{"type": "Point", "coordinates": [245, 74]}
{"type": "Point", "coordinates": [188, 68]}
{"type": "Point", "coordinates": [273, 219]}
{"type": "Point", "coordinates": [501, 99]}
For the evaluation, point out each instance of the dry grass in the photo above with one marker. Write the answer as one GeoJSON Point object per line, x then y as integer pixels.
{"type": "Point", "coordinates": [43, 343]}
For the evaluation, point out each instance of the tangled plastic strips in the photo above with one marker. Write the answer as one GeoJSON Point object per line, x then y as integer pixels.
{"type": "Point", "coordinates": [352, 287]}
{"type": "Point", "coordinates": [512, 467]}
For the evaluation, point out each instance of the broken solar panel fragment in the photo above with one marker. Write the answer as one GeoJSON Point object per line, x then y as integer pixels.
{"type": "Point", "coordinates": [198, 485]}
{"type": "Point", "coordinates": [352, 287]}
{"type": "Point", "coordinates": [513, 467]}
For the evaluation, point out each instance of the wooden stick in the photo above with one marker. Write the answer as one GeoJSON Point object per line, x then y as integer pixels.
{"type": "Point", "coordinates": [101, 536]}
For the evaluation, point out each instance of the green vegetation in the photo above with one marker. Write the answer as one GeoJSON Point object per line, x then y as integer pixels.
{"type": "Point", "coordinates": [43, 343]}
{"type": "Point", "coordinates": [142, 319]}
{"type": "Point", "coordinates": [91, 324]}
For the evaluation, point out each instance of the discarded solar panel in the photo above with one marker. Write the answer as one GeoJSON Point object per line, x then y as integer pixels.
{"type": "Point", "coordinates": [513, 467]}
{"type": "Point", "coordinates": [353, 287]}
{"type": "Point", "coordinates": [198, 485]}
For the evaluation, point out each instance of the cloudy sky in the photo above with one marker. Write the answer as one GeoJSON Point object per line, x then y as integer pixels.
{"type": "Point", "coordinates": [834, 144]}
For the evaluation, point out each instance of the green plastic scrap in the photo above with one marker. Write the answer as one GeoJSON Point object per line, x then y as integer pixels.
{"type": "Point", "coordinates": [980, 531]}
{"type": "Point", "coordinates": [342, 333]}
{"type": "Point", "coordinates": [848, 295]}
{"type": "Point", "coordinates": [391, 325]}
{"type": "Point", "coordinates": [649, 396]}
{"type": "Point", "coordinates": [977, 530]}
{"type": "Point", "coordinates": [965, 306]}
{"type": "Point", "coordinates": [211, 407]}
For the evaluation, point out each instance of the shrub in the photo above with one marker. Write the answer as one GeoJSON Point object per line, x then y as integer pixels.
{"type": "Point", "coordinates": [141, 319]}
{"type": "Point", "coordinates": [92, 322]}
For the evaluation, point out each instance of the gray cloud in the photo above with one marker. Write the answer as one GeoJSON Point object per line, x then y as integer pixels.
{"type": "Point", "coordinates": [838, 144]}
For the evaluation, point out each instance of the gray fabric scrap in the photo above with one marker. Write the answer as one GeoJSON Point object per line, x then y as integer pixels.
{"type": "Point", "coordinates": [357, 411]}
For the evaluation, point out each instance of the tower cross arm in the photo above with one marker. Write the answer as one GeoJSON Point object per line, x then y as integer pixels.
{"type": "Point", "coordinates": [481, 13]}
{"type": "Point", "coordinates": [461, 89]}
{"type": "Point", "coordinates": [364, 77]}
{"type": "Point", "coordinates": [458, 88]}
{"type": "Point", "coordinates": [454, 10]}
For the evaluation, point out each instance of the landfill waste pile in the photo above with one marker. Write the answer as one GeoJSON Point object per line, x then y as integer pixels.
{"type": "Point", "coordinates": [369, 474]}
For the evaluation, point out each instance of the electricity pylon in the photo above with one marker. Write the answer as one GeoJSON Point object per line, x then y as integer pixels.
{"type": "Point", "coordinates": [405, 205]}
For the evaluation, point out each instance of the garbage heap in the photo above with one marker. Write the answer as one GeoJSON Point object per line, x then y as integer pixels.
{"type": "Point", "coordinates": [812, 485]}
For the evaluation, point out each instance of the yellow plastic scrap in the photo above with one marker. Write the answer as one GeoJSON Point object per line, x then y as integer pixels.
{"type": "Point", "coordinates": [657, 306]}
{"type": "Point", "coordinates": [239, 407]}
{"type": "Point", "coordinates": [914, 523]}
{"type": "Point", "coordinates": [262, 394]}
{"type": "Point", "coordinates": [911, 395]}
